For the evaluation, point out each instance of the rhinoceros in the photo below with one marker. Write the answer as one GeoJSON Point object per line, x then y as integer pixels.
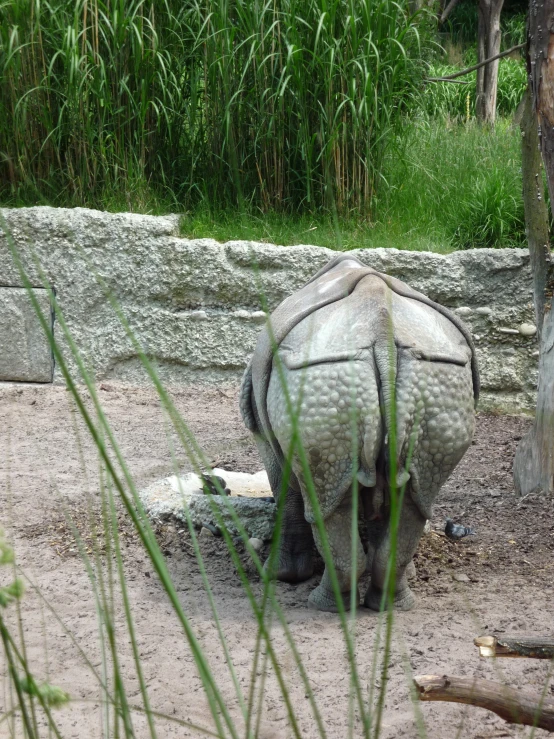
{"type": "Point", "coordinates": [359, 364]}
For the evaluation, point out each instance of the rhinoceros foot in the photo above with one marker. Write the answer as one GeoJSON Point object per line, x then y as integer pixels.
{"type": "Point", "coordinates": [323, 599]}
{"type": "Point", "coordinates": [292, 568]}
{"type": "Point", "coordinates": [404, 600]}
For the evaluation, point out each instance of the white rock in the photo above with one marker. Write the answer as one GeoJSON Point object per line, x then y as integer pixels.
{"type": "Point", "coordinates": [173, 497]}
{"type": "Point", "coordinates": [527, 329]}
{"type": "Point", "coordinates": [460, 577]}
{"type": "Point", "coordinates": [504, 330]}
{"type": "Point", "coordinates": [463, 311]}
{"type": "Point", "coordinates": [427, 527]}
{"type": "Point", "coordinates": [259, 316]}
{"type": "Point", "coordinates": [241, 313]}
{"type": "Point", "coordinates": [198, 315]}
{"type": "Point", "coordinates": [256, 544]}
{"type": "Point", "coordinates": [484, 310]}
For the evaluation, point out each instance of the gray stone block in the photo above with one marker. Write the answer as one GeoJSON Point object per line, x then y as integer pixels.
{"type": "Point", "coordinates": [25, 354]}
{"type": "Point", "coordinates": [174, 497]}
{"type": "Point", "coordinates": [196, 306]}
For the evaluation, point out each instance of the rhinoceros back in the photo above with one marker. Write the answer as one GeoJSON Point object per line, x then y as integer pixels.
{"type": "Point", "coordinates": [350, 328]}
{"type": "Point", "coordinates": [333, 284]}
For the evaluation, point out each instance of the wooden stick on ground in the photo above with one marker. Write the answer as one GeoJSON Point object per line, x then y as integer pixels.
{"type": "Point", "coordinates": [514, 706]}
{"type": "Point", "coordinates": [536, 647]}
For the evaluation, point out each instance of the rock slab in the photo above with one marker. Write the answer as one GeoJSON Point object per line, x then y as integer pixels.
{"type": "Point", "coordinates": [173, 497]}
{"type": "Point", "coordinates": [25, 353]}
{"type": "Point", "coordinates": [197, 306]}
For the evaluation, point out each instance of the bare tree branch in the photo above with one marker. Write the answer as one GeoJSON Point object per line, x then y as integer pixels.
{"type": "Point", "coordinates": [449, 8]}
{"type": "Point", "coordinates": [535, 647]}
{"type": "Point", "coordinates": [475, 66]}
{"type": "Point", "coordinates": [446, 79]}
{"type": "Point", "coordinates": [514, 706]}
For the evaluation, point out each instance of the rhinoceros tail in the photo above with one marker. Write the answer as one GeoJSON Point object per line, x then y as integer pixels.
{"type": "Point", "coordinates": [246, 400]}
{"type": "Point", "coordinates": [386, 356]}
{"type": "Point", "coordinates": [385, 353]}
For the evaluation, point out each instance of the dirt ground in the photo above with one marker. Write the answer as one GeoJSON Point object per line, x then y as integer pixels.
{"type": "Point", "coordinates": [48, 463]}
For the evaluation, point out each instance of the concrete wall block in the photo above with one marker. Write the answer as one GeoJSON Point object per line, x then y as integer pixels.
{"type": "Point", "coordinates": [196, 305]}
{"type": "Point", "coordinates": [25, 354]}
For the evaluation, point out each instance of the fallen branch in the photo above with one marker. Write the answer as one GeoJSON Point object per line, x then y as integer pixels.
{"type": "Point", "coordinates": [514, 706]}
{"type": "Point", "coordinates": [535, 647]}
{"type": "Point", "coordinates": [475, 66]}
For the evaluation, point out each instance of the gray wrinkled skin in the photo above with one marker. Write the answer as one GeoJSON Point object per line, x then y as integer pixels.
{"type": "Point", "coordinates": [345, 347]}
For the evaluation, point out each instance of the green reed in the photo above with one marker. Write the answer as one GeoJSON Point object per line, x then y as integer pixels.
{"type": "Point", "coordinates": [283, 104]}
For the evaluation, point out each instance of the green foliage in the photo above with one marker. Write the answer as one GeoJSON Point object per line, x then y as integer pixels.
{"type": "Point", "coordinates": [50, 694]}
{"type": "Point", "coordinates": [449, 186]}
{"type": "Point", "coordinates": [462, 24]}
{"type": "Point", "coordinates": [20, 687]}
{"type": "Point", "coordinates": [454, 100]}
{"type": "Point", "coordinates": [11, 592]}
{"type": "Point", "coordinates": [491, 215]}
{"type": "Point", "coordinates": [286, 122]}
{"type": "Point", "coordinates": [460, 184]}
{"type": "Point", "coordinates": [288, 104]}
{"type": "Point", "coordinates": [6, 551]}
{"type": "Point", "coordinates": [92, 99]}
{"type": "Point", "coordinates": [513, 28]}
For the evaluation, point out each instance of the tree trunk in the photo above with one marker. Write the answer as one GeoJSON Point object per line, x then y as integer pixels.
{"type": "Point", "coordinates": [488, 45]}
{"type": "Point", "coordinates": [534, 202]}
{"type": "Point", "coordinates": [534, 460]}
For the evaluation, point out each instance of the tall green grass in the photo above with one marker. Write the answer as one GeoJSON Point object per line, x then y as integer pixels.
{"type": "Point", "coordinates": [92, 99]}
{"type": "Point", "coordinates": [459, 184]}
{"type": "Point", "coordinates": [450, 185]}
{"type": "Point", "coordinates": [284, 104]}
{"type": "Point", "coordinates": [301, 98]}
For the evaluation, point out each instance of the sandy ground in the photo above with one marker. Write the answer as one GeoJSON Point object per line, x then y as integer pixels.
{"type": "Point", "coordinates": [48, 463]}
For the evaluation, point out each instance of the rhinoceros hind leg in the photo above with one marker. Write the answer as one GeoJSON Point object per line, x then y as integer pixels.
{"type": "Point", "coordinates": [410, 529]}
{"type": "Point", "coordinates": [323, 598]}
{"type": "Point", "coordinates": [294, 560]}
{"type": "Point", "coordinates": [338, 527]}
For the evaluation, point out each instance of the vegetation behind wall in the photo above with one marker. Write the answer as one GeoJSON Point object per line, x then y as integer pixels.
{"type": "Point", "coordinates": [284, 105]}
{"type": "Point", "coordinates": [262, 121]}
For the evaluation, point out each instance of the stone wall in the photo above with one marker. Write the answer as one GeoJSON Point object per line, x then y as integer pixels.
{"type": "Point", "coordinates": [197, 305]}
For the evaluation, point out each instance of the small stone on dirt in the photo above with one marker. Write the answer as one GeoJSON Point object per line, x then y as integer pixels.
{"type": "Point", "coordinates": [256, 544]}
{"type": "Point", "coordinates": [460, 577]}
